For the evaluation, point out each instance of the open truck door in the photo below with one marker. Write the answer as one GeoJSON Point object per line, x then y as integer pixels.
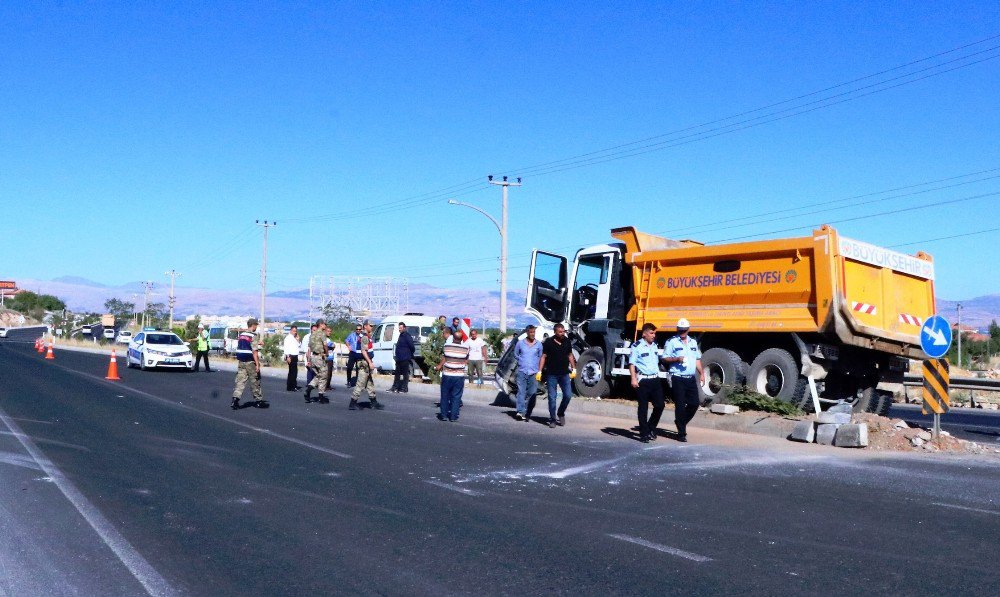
{"type": "Point", "coordinates": [547, 288]}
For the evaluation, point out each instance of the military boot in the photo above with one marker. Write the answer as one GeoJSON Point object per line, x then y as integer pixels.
{"type": "Point", "coordinates": [353, 405]}
{"type": "Point", "coordinates": [375, 404]}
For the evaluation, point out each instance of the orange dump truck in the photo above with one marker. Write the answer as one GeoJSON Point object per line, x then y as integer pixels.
{"type": "Point", "coordinates": [768, 314]}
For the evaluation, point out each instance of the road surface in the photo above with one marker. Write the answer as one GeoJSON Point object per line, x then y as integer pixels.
{"type": "Point", "coordinates": [153, 485]}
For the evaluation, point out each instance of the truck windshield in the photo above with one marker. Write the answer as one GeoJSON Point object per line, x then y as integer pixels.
{"type": "Point", "coordinates": [591, 272]}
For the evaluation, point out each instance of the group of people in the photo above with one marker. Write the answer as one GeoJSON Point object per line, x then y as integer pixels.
{"type": "Point", "coordinates": [552, 361]}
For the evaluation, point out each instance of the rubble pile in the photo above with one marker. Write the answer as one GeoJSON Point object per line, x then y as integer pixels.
{"type": "Point", "coordinates": [898, 435]}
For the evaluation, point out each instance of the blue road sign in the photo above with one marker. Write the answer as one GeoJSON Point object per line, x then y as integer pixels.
{"type": "Point", "coordinates": [935, 336]}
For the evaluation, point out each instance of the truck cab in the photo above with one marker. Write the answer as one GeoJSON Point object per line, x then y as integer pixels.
{"type": "Point", "coordinates": [590, 296]}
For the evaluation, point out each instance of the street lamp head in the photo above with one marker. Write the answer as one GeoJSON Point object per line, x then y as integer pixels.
{"type": "Point", "coordinates": [452, 202]}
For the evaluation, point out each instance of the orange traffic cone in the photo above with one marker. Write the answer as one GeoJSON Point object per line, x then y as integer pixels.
{"type": "Point", "coordinates": [113, 368]}
{"type": "Point", "coordinates": [49, 356]}
{"type": "Point", "coordinates": [40, 345]}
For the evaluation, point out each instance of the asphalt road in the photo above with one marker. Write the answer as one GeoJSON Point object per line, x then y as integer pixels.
{"type": "Point", "coordinates": [153, 485]}
{"type": "Point", "coordinates": [977, 425]}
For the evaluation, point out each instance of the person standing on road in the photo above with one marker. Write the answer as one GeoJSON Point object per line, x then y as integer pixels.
{"type": "Point", "coordinates": [559, 367]}
{"type": "Point", "coordinates": [365, 382]}
{"type": "Point", "coordinates": [290, 347]}
{"type": "Point", "coordinates": [202, 340]}
{"type": "Point", "coordinates": [645, 368]}
{"type": "Point", "coordinates": [477, 356]}
{"type": "Point", "coordinates": [353, 355]}
{"type": "Point", "coordinates": [684, 356]}
{"type": "Point", "coordinates": [452, 368]}
{"type": "Point", "coordinates": [528, 353]}
{"type": "Point", "coordinates": [248, 366]}
{"type": "Point", "coordinates": [305, 354]}
{"type": "Point", "coordinates": [403, 354]}
{"type": "Point", "coordinates": [317, 358]}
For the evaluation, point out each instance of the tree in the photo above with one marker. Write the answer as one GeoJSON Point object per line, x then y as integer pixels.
{"type": "Point", "coordinates": [157, 315]}
{"type": "Point", "coordinates": [28, 302]}
{"type": "Point", "coordinates": [994, 330]}
{"type": "Point", "coordinates": [122, 310]}
{"type": "Point", "coordinates": [432, 350]}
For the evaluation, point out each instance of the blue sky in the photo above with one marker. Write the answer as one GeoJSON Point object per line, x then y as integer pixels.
{"type": "Point", "coordinates": [142, 137]}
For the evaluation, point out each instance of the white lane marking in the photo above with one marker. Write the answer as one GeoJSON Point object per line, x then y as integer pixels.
{"type": "Point", "coordinates": [957, 507]}
{"type": "Point", "coordinates": [664, 548]}
{"type": "Point", "coordinates": [18, 460]}
{"type": "Point", "coordinates": [456, 488]}
{"type": "Point", "coordinates": [273, 434]}
{"type": "Point", "coordinates": [142, 570]}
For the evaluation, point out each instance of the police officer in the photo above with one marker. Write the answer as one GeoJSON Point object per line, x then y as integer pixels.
{"type": "Point", "coordinates": [317, 358]}
{"type": "Point", "coordinates": [365, 369]}
{"type": "Point", "coordinates": [684, 356]}
{"type": "Point", "coordinates": [202, 340]}
{"type": "Point", "coordinates": [248, 366]}
{"type": "Point", "coordinates": [645, 367]}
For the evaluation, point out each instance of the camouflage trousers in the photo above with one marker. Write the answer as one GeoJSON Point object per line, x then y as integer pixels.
{"type": "Point", "coordinates": [319, 366]}
{"type": "Point", "coordinates": [247, 371]}
{"type": "Point", "coordinates": [365, 382]}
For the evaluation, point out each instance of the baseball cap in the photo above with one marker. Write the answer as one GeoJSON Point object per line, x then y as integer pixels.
{"type": "Point", "coordinates": [683, 324]}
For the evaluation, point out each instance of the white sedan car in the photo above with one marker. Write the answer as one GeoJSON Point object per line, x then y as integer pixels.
{"type": "Point", "coordinates": [150, 349]}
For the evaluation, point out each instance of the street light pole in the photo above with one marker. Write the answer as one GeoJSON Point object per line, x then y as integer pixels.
{"type": "Point", "coordinates": [504, 184]}
{"type": "Point", "coordinates": [263, 269]}
{"type": "Point", "coordinates": [173, 276]}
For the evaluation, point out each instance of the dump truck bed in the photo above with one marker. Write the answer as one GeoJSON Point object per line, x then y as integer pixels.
{"type": "Point", "coordinates": [864, 295]}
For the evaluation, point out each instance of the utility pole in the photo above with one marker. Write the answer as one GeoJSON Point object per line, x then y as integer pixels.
{"type": "Point", "coordinates": [263, 269]}
{"type": "Point", "coordinates": [503, 247]}
{"type": "Point", "coordinates": [958, 307]}
{"type": "Point", "coordinates": [148, 285]}
{"type": "Point", "coordinates": [173, 276]}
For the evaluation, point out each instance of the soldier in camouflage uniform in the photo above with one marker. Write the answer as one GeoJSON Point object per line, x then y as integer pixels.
{"type": "Point", "coordinates": [317, 358]}
{"type": "Point", "coordinates": [365, 369]}
{"type": "Point", "coordinates": [248, 366]}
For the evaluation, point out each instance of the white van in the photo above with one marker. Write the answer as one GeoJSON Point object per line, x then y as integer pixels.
{"type": "Point", "coordinates": [386, 334]}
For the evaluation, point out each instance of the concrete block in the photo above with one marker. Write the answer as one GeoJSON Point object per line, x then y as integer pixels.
{"type": "Point", "coordinates": [851, 436]}
{"type": "Point", "coordinates": [826, 433]}
{"type": "Point", "coordinates": [841, 408]}
{"type": "Point", "coordinates": [925, 435]}
{"type": "Point", "coordinates": [834, 418]}
{"type": "Point", "coordinates": [725, 409]}
{"type": "Point", "coordinates": [804, 431]}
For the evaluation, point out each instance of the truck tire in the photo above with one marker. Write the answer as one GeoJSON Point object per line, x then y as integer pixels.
{"type": "Point", "coordinates": [724, 372]}
{"type": "Point", "coordinates": [871, 400]}
{"type": "Point", "coordinates": [590, 380]}
{"type": "Point", "coordinates": [775, 373]}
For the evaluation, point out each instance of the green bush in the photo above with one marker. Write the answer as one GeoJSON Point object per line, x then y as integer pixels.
{"type": "Point", "coordinates": [750, 400]}
{"type": "Point", "coordinates": [432, 350]}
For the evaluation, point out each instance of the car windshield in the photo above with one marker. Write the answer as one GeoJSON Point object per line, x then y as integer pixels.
{"type": "Point", "coordinates": [163, 339]}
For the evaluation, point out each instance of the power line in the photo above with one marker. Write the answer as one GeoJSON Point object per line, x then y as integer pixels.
{"type": "Point", "coordinates": [855, 218]}
{"type": "Point", "coordinates": [934, 240]}
{"type": "Point", "coordinates": [636, 148]}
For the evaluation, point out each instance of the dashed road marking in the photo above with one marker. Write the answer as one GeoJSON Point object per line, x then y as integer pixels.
{"type": "Point", "coordinates": [957, 507]}
{"type": "Point", "coordinates": [455, 488]}
{"type": "Point", "coordinates": [663, 548]}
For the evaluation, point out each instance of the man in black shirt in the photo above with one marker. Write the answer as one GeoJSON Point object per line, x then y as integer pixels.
{"type": "Point", "coordinates": [559, 367]}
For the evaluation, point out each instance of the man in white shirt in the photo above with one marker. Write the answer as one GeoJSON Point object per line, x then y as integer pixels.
{"type": "Point", "coordinates": [304, 351]}
{"type": "Point", "coordinates": [477, 356]}
{"type": "Point", "coordinates": [290, 348]}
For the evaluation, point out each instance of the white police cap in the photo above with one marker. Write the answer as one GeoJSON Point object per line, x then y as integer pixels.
{"type": "Point", "coordinates": [683, 324]}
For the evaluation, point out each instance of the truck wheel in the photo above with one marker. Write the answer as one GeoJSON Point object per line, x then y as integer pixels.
{"type": "Point", "coordinates": [870, 400]}
{"type": "Point", "coordinates": [590, 380]}
{"type": "Point", "coordinates": [724, 371]}
{"type": "Point", "coordinates": [774, 373]}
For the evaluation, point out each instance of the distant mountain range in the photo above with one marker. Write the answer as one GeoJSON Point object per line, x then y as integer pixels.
{"type": "Point", "coordinates": [82, 294]}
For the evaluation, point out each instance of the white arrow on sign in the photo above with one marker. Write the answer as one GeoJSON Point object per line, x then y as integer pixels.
{"type": "Point", "coordinates": [939, 339]}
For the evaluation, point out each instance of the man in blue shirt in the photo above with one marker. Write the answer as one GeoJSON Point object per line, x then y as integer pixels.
{"type": "Point", "coordinates": [528, 353]}
{"type": "Point", "coordinates": [353, 356]}
{"type": "Point", "coordinates": [684, 356]}
{"type": "Point", "coordinates": [645, 367]}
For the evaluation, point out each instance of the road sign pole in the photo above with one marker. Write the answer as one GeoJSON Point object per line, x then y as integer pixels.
{"type": "Point", "coordinates": [937, 426]}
